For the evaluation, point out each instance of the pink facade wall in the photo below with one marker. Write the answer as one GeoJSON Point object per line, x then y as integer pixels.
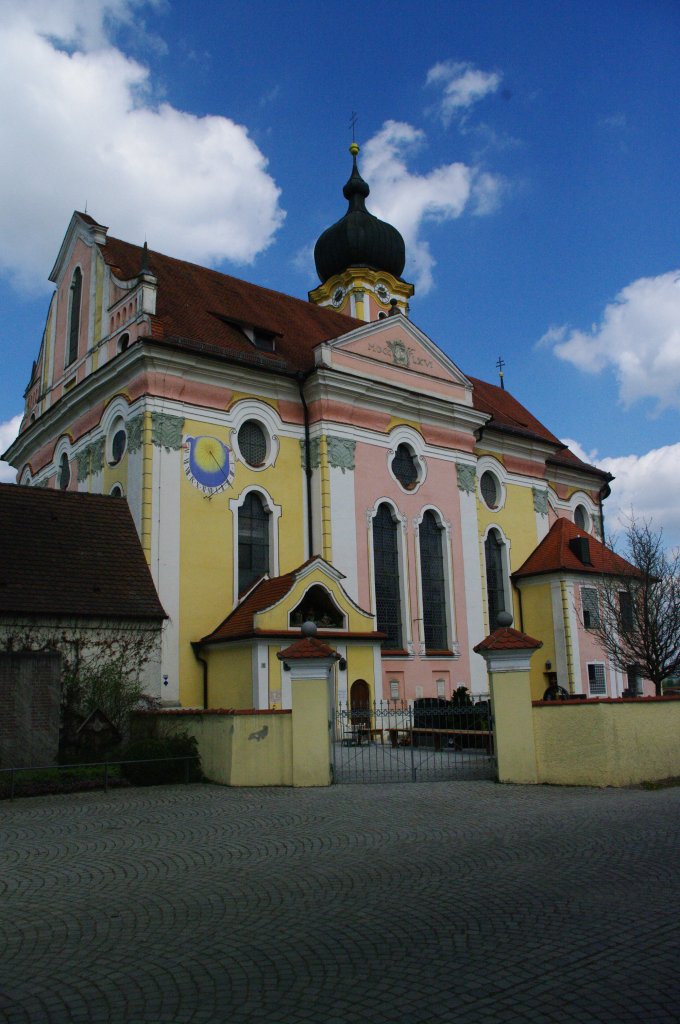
{"type": "Point", "coordinates": [439, 492]}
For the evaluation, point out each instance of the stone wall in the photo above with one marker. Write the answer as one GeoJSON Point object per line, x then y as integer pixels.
{"type": "Point", "coordinates": [30, 692]}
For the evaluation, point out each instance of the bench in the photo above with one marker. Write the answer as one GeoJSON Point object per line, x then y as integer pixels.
{"type": "Point", "coordinates": [437, 735]}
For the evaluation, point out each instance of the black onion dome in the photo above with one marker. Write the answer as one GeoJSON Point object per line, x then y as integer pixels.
{"type": "Point", "coordinates": [359, 239]}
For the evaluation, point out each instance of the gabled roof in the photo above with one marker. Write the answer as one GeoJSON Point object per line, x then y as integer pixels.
{"type": "Point", "coordinates": [197, 306]}
{"type": "Point", "coordinates": [240, 623]}
{"type": "Point", "coordinates": [554, 554]}
{"type": "Point", "coordinates": [71, 554]}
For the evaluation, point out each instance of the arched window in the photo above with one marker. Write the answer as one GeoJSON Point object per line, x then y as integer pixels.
{"type": "Point", "coordinates": [386, 577]}
{"type": "Point", "coordinates": [433, 583]}
{"type": "Point", "coordinates": [64, 473]}
{"type": "Point", "coordinates": [495, 586]}
{"type": "Point", "coordinates": [253, 541]}
{"type": "Point", "coordinates": [74, 315]}
{"type": "Point", "coordinates": [405, 467]}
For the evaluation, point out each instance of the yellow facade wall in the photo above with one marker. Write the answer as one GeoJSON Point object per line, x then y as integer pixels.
{"type": "Point", "coordinates": [230, 676]}
{"type": "Point", "coordinates": [207, 547]}
{"type": "Point", "coordinates": [515, 521]}
{"type": "Point", "coordinates": [607, 743]}
{"type": "Point", "coordinates": [537, 621]}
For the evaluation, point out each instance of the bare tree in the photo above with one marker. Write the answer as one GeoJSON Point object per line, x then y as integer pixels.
{"type": "Point", "coordinates": [638, 620]}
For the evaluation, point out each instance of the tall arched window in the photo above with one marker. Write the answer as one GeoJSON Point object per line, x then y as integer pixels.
{"type": "Point", "coordinates": [433, 583]}
{"type": "Point", "coordinates": [74, 315]}
{"type": "Point", "coordinates": [495, 586]}
{"type": "Point", "coordinates": [387, 577]}
{"type": "Point", "coordinates": [253, 541]}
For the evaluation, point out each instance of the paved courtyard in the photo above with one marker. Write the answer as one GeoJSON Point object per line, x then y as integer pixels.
{"type": "Point", "coordinates": [439, 902]}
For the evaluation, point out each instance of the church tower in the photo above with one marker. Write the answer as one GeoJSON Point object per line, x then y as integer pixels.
{"type": "Point", "coordinates": [360, 259]}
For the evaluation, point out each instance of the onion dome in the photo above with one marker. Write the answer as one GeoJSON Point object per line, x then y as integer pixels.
{"type": "Point", "coordinates": [359, 239]}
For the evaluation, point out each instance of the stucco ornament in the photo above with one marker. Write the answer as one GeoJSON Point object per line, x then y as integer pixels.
{"type": "Point", "coordinates": [467, 477]}
{"type": "Point", "coordinates": [540, 500]}
{"type": "Point", "coordinates": [134, 428]}
{"type": "Point", "coordinates": [314, 453]}
{"type": "Point", "coordinates": [399, 352]}
{"type": "Point", "coordinates": [166, 431]}
{"type": "Point", "coordinates": [341, 452]}
{"type": "Point", "coordinates": [97, 455]}
{"type": "Point", "coordinates": [83, 462]}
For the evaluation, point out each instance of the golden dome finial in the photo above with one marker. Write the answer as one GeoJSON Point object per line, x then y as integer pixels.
{"type": "Point", "coordinates": [354, 148]}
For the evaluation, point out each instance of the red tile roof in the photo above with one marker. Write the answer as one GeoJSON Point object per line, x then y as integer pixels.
{"type": "Point", "coordinates": [307, 647]}
{"type": "Point", "coordinates": [509, 415]}
{"type": "Point", "coordinates": [554, 554]}
{"type": "Point", "coordinates": [200, 307]}
{"type": "Point", "coordinates": [66, 553]}
{"type": "Point", "coordinates": [508, 639]}
{"type": "Point", "coordinates": [240, 623]}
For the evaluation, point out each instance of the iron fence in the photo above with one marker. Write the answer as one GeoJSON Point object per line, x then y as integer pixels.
{"type": "Point", "coordinates": [432, 738]}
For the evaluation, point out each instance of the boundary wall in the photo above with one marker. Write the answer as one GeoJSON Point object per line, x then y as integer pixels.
{"type": "Point", "coordinates": [237, 748]}
{"type": "Point", "coordinates": [606, 742]}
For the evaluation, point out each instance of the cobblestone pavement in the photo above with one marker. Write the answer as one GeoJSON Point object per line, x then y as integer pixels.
{"type": "Point", "coordinates": [438, 902]}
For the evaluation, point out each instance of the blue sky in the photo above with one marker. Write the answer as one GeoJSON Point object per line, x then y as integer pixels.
{"type": "Point", "coordinates": [529, 153]}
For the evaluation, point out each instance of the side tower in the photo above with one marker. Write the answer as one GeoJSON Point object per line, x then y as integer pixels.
{"type": "Point", "coordinates": [360, 259]}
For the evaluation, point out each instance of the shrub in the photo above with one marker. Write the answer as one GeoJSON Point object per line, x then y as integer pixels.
{"type": "Point", "coordinates": [157, 751]}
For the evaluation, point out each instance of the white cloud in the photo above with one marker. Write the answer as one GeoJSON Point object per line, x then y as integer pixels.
{"type": "Point", "coordinates": [639, 336]}
{"type": "Point", "coordinates": [462, 86]}
{"type": "Point", "coordinates": [8, 432]}
{"type": "Point", "coordinates": [409, 200]}
{"type": "Point", "coordinates": [648, 485]}
{"type": "Point", "coordinates": [79, 125]}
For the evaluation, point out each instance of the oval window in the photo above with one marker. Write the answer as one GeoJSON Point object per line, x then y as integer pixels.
{"type": "Point", "coordinates": [118, 445]}
{"type": "Point", "coordinates": [252, 443]}
{"type": "Point", "coordinates": [488, 485]}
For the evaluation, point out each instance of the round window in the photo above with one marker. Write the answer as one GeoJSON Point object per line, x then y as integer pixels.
{"type": "Point", "coordinates": [488, 485]}
{"type": "Point", "coordinates": [405, 467]}
{"type": "Point", "coordinates": [64, 472]}
{"type": "Point", "coordinates": [252, 443]}
{"type": "Point", "coordinates": [118, 444]}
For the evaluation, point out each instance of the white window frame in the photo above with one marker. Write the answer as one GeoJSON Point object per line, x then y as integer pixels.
{"type": "Point", "coordinates": [505, 557]}
{"type": "Point", "coordinates": [274, 514]}
{"type": "Point", "coordinates": [597, 665]}
{"type": "Point", "coordinates": [447, 557]}
{"type": "Point", "coordinates": [404, 603]}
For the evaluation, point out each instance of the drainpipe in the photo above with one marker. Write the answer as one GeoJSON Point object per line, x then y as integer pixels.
{"type": "Point", "coordinates": [196, 648]}
{"type": "Point", "coordinates": [301, 378]}
{"type": "Point", "coordinates": [604, 492]}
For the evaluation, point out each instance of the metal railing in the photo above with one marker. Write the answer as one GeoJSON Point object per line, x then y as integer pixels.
{"type": "Point", "coordinates": [106, 765]}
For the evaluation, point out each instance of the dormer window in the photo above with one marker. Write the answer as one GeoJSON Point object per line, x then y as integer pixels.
{"type": "Point", "coordinates": [263, 341]}
{"type": "Point", "coordinates": [74, 316]}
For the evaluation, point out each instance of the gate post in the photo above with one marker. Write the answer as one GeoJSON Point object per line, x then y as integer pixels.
{"type": "Point", "coordinates": [310, 662]}
{"type": "Point", "coordinates": [507, 653]}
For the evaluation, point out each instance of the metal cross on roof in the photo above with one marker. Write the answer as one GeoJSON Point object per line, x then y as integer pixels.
{"type": "Point", "coordinates": [500, 364]}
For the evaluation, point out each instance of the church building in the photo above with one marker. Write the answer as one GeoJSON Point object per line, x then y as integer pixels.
{"type": "Point", "coordinates": [287, 460]}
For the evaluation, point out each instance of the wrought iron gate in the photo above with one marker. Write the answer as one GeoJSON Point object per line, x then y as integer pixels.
{"type": "Point", "coordinates": [393, 742]}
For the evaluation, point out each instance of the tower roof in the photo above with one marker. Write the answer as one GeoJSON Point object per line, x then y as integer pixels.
{"type": "Point", "coordinates": [359, 239]}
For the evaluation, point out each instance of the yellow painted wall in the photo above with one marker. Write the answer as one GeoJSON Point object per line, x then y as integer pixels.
{"type": "Point", "coordinates": [360, 665]}
{"type": "Point", "coordinates": [513, 726]}
{"type": "Point", "coordinates": [538, 622]}
{"type": "Point", "coordinates": [621, 743]}
{"type": "Point", "coordinates": [516, 519]}
{"type": "Point", "coordinates": [238, 750]}
{"type": "Point", "coordinates": [230, 676]}
{"type": "Point", "coordinates": [207, 545]}
{"type": "Point", "coordinates": [277, 618]}
{"type": "Point", "coordinates": [311, 734]}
